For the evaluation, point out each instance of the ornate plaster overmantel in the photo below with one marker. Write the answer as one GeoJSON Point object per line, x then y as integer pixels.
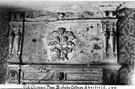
{"type": "Point", "coordinates": [61, 44]}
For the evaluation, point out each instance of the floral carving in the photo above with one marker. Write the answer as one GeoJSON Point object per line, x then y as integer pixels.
{"type": "Point", "coordinates": [62, 44]}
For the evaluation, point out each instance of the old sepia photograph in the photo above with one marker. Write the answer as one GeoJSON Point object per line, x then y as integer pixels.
{"type": "Point", "coordinates": [67, 42]}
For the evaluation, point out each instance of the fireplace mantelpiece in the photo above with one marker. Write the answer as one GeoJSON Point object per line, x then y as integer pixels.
{"type": "Point", "coordinates": [64, 46]}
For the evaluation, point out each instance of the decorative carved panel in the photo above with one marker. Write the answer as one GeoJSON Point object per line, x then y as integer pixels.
{"type": "Point", "coordinates": [62, 44]}
{"type": "Point", "coordinates": [85, 39]}
{"type": "Point", "coordinates": [56, 74]}
{"type": "Point", "coordinates": [62, 41]}
{"type": "Point", "coordinates": [68, 41]}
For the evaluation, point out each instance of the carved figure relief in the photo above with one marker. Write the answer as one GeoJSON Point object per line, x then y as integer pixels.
{"type": "Point", "coordinates": [62, 44]}
{"type": "Point", "coordinates": [14, 41]}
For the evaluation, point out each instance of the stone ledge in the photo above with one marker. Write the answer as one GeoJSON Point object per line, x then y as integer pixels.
{"type": "Point", "coordinates": [72, 11]}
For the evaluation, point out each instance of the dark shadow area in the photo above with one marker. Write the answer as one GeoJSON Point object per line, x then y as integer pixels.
{"type": "Point", "coordinates": [5, 16]}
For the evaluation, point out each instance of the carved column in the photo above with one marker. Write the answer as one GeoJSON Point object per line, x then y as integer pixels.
{"type": "Point", "coordinates": [126, 43]}
{"type": "Point", "coordinates": [109, 39]}
{"type": "Point", "coordinates": [110, 72]}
